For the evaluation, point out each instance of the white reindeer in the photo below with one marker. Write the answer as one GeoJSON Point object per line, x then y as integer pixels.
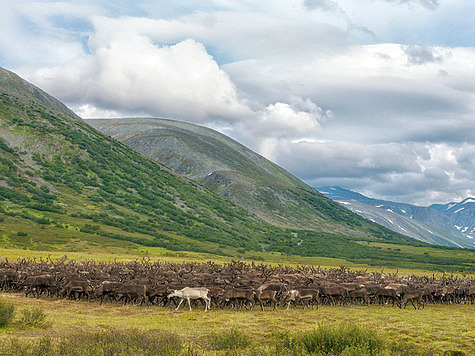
{"type": "Point", "coordinates": [191, 293]}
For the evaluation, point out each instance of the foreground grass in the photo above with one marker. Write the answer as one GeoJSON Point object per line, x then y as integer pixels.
{"type": "Point", "coordinates": [436, 329]}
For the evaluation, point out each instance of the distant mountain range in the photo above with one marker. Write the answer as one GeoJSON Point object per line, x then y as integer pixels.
{"type": "Point", "coordinates": [451, 224]}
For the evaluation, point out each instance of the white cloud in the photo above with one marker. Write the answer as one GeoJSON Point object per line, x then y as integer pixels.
{"type": "Point", "coordinates": [418, 172]}
{"type": "Point", "coordinates": [293, 120]}
{"type": "Point", "coordinates": [132, 74]}
{"type": "Point", "coordinates": [430, 4]}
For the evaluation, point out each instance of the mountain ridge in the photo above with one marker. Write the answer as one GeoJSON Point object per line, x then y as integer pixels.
{"type": "Point", "coordinates": [461, 214]}
{"type": "Point", "coordinates": [226, 167]}
{"type": "Point", "coordinates": [423, 223]}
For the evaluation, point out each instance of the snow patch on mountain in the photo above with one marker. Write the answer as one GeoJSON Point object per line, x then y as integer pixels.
{"type": "Point", "coordinates": [451, 224]}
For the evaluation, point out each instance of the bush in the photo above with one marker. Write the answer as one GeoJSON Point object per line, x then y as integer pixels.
{"type": "Point", "coordinates": [343, 340]}
{"type": "Point", "coordinates": [346, 339]}
{"type": "Point", "coordinates": [229, 340]}
{"type": "Point", "coordinates": [35, 317]}
{"type": "Point", "coordinates": [21, 233]}
{"type": "Point", "coordinates": [7, 311]}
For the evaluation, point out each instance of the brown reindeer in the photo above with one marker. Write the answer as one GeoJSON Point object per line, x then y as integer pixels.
{"type": "Point", "coordinates": [266, 295]}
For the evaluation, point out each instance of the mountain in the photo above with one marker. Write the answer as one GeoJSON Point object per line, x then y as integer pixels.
{"type": "Point", "coordinates": [462, 215]}
{"type": "Point", "coordinates": [428, 224]}
{"type": "Point", "coordinates": [55, 170]}
{"type": "Point", "coordinates": [232, 170]}
{"type": "Point", "coordinates": [64, 186]}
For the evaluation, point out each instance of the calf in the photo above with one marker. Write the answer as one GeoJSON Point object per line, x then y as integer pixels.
{"type": "Point", "coordinates": [266, 295]}
{"type": "Point", "coordinates": [413, 296]}
{"type": "Point", "coordinates": [299, 295]}
{"type": "Point", "coordinates": [77, 287]}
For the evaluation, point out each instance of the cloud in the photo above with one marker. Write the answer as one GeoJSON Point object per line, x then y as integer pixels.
{"type": "Point", "coordinates": [418, 55]}
{"type": "Point", "coordinates": [327, 5]}
{"type": "Point", "coordinates": [291, 119]}
{"type": "Point", "coordinates": [416, 172]}
{"type": "Point", "coordinates": [132, 74]}
{"type": "Point", "coordinates": [280, 121]}
{"type": "Point", "coordinates": [430, 4]}
{"type": "Point", "coordinates": [373, 94]}
{"type": "Point", "coordinates": [28, 38]}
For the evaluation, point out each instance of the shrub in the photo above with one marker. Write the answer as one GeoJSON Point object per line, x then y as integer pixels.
{"type": "Point", "coordinates": [7, 311]}
{"type": "Point", "coordinates": [229, 340]}
{"type": "Point", "coordinates": [21, 233]}
{"type": "Point", "coordinates": [345, 339]}
{"type": "Point", "coordinates": [35, 317]}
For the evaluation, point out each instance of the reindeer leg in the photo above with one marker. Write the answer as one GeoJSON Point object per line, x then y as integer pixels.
{"type": "Point", "coordinates": [181, 301]}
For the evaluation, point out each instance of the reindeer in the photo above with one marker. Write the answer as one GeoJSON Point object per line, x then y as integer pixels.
{"type": "Point", "coordinates": [191, 293]}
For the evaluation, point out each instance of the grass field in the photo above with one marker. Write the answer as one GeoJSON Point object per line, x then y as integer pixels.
{"type": "Point", "coordinates": [436, 329]}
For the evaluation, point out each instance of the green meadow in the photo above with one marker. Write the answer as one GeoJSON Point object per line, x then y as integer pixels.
{"type": "Point", "coordinates": [435, 330]}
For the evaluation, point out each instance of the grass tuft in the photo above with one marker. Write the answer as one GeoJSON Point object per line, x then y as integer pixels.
{"type": "Point", "coordinates": [344, 339]}
{"type": "Point", "coordinates": [7, 312]}
{"type": "Point", "coordinates": [233, 339]}
{"type": "Point", "coordinates": [35, 317]}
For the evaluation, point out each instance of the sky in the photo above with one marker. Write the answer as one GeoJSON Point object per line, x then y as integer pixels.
{"type": "Point", "coordinates": [377, 96]}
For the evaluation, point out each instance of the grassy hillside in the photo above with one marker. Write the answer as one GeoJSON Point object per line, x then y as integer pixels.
{"type": "Point", "coordinates": [64, 186]}
{"type": "Point", "coordinates": [233, 171]}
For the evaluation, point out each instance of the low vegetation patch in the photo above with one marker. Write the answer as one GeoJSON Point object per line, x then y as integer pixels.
{"type": "Point", "coordinates": [341, 340]}
{"type": "Point", "coordinates": [233, 339]}
{"type": "Point", "coordinates": [329, 340]}
{"type": "Point", "coordinates": [7, 311]}
{"type": "Point", "coordinates": [100, 343]}
{"type": "Point", "coordinates": [35, 317]}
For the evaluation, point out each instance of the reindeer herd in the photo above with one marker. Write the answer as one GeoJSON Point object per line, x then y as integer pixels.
{"type": "Point", "coordinates": [231, 285]}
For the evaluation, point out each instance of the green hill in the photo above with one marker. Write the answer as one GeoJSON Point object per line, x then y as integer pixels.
{"type": "Point", "coordinates": [231, 170]}
{"type": "Point", "coordinates": [64, 186]}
